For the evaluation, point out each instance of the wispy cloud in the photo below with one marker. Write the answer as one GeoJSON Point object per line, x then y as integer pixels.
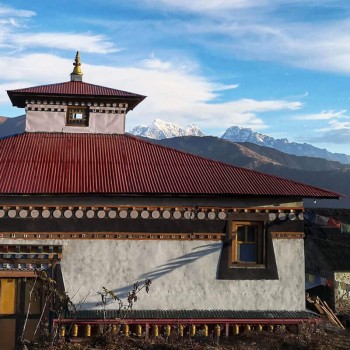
{"type": "Point", "coordinates": [86, 42]}
{"type": "Point", "coordinates": [262, 30]}
{"type": "Point", "coordinates": [336, 132]}
{"type": "Point", "coordinates": [7, 11]}
{"type": "Point", "coordinates": [206, 5]}
{"type": "Point", "coordinates": [17, 35]}
{"type": "Point", "coordinates": [324, 115]}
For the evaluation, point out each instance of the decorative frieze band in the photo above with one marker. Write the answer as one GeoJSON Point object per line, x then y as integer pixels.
{"type": "Point", "coordinates": [140, 213]}
{"type": "Point", "coordinates": [30, 103]}
{"type": "Point", "coordinates": [287, 235]}
{"type": "Point", "coordinates": [53, 108]}
{"type": "Point", "coordinates": [116, 235]}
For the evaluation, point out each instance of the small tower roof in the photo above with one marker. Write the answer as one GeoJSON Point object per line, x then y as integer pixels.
{"type": "Point", "coordinates": [73, 89]}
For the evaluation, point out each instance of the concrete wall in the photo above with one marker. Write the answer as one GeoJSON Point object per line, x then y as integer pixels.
{"type": "Point", "coordinates": [183, 274]}
{"type": "Point", "coordinates": [55, 121]}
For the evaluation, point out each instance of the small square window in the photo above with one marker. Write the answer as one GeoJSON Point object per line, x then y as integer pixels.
{"type": "Point", "coordinates": [77, 117]}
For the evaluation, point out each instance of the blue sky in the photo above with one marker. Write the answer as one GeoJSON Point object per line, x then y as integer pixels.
{"type": "Point", "coordinates": [280, 67]}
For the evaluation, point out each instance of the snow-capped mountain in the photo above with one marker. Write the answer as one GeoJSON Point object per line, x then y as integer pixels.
{"type": "Point", "coordinates": [238, 134]}
{"type": "Point", "coordinates": [163, 130]}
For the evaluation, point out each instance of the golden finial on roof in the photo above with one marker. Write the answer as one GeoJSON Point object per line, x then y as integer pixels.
{"type": "Point", "coordinates": [77, 74]}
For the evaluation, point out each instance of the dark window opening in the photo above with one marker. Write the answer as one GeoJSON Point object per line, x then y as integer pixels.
{"type": "Point", "coordinates": [77, 117]}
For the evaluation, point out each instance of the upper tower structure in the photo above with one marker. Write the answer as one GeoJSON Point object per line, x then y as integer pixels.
{"type": "Point", "coordinates": [77, 74]}
{"type": "Point", "coordinates": [75, 106]}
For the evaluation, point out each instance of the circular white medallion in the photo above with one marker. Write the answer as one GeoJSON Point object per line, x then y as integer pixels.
{"type": "Point", "coordinates": [2, 213]}
{"type": "Point", "coordinates": [272, 216]}
{"type": "Point", "coordinates": [68, 213]}
{"type": "Point", "coordinates": [177, 214]}
{"type": "Point", "coordinates": [79, 214]}
{"type": "Point", "coordinates": [90, 214]}
{"type": "Point", "coordinates": [189, 214]}
{"type": "Point", "coordinates": [282, 216]}
{"type": "Point", "coordinates": [292, 216]}
{"type": "Point", "coordinates": [45, 213]}
{"type": "Point", "coordinates": [155, 214]}
{"type": "Point", "coordinates": [211, 215]}
{"type": "Point", "coordinates": [11, 213]}
{"type": "Point", "coordinates": [123, 214]}
{"type": "Point", "coordinates": [34, 213]}
{"type": "Point", "coordinates": [101, 214]}
{"type": "Point", "coordinates": [166, 214]}
{"type": "Point", "coordinates": [112, 214]}
{"type": "Point", "coordinates": [134, 214]}
{"type": "Point", "coordinates": [145, 214]}
{"type": "Point", "coordinates": [222, 215]}
{"type": "Point", "coordinates": [23, 213]}
{"type": "Point", "coordinates": [57, 214]}
{"type": "Point", "coordinates": [201, 215]}
{"type": "Point", "coordinates": [301, 216]}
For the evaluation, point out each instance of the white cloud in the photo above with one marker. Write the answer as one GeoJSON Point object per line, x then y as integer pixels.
{"type": "Point", "coordinates": [16, 36]}
{"type": "Point", "coordinates": [206, 5]}
{"type": "Point", "coordinates": [36, 68]}
{"type": "Point", "coordinates": [324, 115]}
{"type": "Point", "coordinates": [7, 11]}
{"type": "Point", "coordinates": [253, 30]}
{"type": "Point", "coordinates": [340, 125]}
{"type": "Point", "coordinates": [174, 94]}
{"type": "Point", "coordinates": [223, 7]}
{"type": "Point", "coordinates": [222, 87]}
{"type": "Point", "coordinates": [336, 132]}
{"type": "Point", "coordinates": [85, 42]}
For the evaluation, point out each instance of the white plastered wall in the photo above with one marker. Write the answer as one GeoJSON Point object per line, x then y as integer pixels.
{"type": "Point", "coordinates": [183, 275]}
{"type": "Point", "coordinates": [48, 120]}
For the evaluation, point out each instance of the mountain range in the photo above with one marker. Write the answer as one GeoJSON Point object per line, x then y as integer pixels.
{"type": "Point", "coordinates": [160, 130]}
{"type": "Point", "coordinates": [163, 130]}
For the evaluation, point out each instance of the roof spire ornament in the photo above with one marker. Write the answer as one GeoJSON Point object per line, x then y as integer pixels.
{"type": "Point", "coordinates": [77, 74]}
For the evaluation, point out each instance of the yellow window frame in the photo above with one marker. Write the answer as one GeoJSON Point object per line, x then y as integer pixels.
{"type": "Point", "coordinates": [259, 242]}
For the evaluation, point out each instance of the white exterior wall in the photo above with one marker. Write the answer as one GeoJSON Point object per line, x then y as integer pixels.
{"type": "Point", "coordinates": [55, 121]}
{"type": "Point", "coordinates": [183, 275]}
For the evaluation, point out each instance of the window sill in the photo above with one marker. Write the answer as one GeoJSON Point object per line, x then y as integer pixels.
{"type": "Point", "coordinates": [247, 266]}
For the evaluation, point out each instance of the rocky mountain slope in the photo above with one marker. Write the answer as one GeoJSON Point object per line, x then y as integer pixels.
{"type": "Point", "coordinates": [238, 134]}
{"type": "Point", "coordinates": [11, 126]}
{"type": "Point", "coordinates": [160, 130]}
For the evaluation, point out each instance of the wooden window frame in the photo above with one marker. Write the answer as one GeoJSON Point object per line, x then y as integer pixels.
{"type": "Point", "coordinates": [82, 122]}
{"type": "Point", "coordinates": [259, 242]}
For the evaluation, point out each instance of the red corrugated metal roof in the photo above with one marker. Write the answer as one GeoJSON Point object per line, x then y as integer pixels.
{"type": "Point", "coordinates": [75, 88]}
{"type": "Point", "coordinates": [48, 163]}
{"type": "Point", "coordinates": [71, 88]}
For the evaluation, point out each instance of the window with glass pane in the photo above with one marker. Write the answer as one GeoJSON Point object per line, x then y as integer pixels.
{"type": "Point", "coordinates": [247, 243]}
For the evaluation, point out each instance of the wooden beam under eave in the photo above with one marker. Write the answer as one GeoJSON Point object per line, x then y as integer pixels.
{"type": "Point", "coordinates": [16, 274]}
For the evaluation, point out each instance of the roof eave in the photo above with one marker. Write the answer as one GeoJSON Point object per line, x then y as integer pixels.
{"type": "Point", "coordinates": [18, 98]}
